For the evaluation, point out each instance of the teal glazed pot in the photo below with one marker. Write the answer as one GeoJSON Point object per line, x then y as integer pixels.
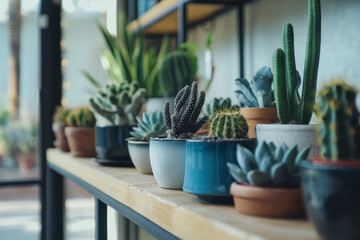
{"type": "Point", "coordinates": [111, 144]}
{"type": "Point", "coordinates": [206, 173]}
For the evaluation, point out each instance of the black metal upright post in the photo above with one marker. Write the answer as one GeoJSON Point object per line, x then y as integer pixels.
{"type": "Point", "coordinates": [100, 220]}
{"type": "Point", "coordinates": [182, 24]}
{"type": "Point", "coordinates": [50, 89]}
{"type": "Point", "coordinates": [241, 20]}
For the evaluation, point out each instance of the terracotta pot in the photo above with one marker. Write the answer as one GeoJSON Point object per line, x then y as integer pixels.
{"type": "Point", "coordinates": [61, 142]}
{"type": "Point", "coordinates": [26, 160]}
{"type": "Point", "coordinates": [267, 201]}
{"type": "Point", "coordinates": [81, 141]}
{"type": "Point", "coordinates": [203, 131]}
{"type": "Point", "coordinates": [255, 116]}
{"type": "Point", "coordinates": [341, 162]}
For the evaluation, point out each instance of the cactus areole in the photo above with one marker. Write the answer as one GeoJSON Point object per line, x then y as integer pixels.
{"type": "Point", "coordinates": [290, 105]}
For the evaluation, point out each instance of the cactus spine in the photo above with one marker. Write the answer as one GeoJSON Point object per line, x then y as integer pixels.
{"type": "Point", "coordinates": [228, 124]}
{"type": "Point", "coordinates": [184, 122]}
{"type": "Point", "coordinates": [339, 131]}
{"type": "Point", "coordinates": [215, 105]}
{"type": "Point", "coordinates": [176, 72]}
{"type": "Point", "coordinates": [291, 107]}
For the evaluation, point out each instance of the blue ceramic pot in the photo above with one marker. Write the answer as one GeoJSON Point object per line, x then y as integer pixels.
{"type": "Point", "coordinates": [206, 173]}
{"type": "Point", "coordinates": [111, 144]}
{"type": "Point", "coordinates": [332, 199]}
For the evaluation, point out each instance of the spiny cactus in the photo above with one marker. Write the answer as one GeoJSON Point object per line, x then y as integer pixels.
{"type": "Point", "coordinates": [339, 132]}
{"type": "Point", "coordinates": [60, 114]}
{"type": "Point", "coordinates": [151, 125]}
{"type": "Point", "coordinates": [176, 72]}
{"type": "Point", "coordinates": [119, 103]}
{"type": "Point", "coordinates": [81, 117]}
{"type": "Point", "coordinates": [184, 122]}
{"type": "Point", "coordinates": [217, 104]}
{"type": "Point", "coordinates": [290, 106]}
{"type": "Point", "coordinates": [258, 93]}
{"type": "Point", "coordinates": [268, 166]}
{"type": "Point", "coordinates": [229, 123]}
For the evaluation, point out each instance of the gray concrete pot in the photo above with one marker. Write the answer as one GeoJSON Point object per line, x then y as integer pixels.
{"type": "Point", "coordinates": [291, 134]}
{"type": "Point", "coordinates": [167, 158]}
{"type": "Point", "coordinates": [139, 154]}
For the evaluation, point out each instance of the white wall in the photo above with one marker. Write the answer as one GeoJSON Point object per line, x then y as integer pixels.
{"type": "Point", "coordinates": [340, 46]}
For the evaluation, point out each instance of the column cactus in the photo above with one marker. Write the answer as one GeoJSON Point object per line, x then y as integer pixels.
{"type": "Point", "coordinates": [229, 123]}
{"type": "Point", "coordinates": [339, 132]}
{"type": "Point", "coordinates": [291, 107]}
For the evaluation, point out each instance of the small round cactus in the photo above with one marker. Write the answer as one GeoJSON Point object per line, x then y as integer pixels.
{"type": "Point", "coordinates": [60, 114]}
{"type": "Point", "coordinates": [81, 117]}
{"type": "Point", "coordinates": [229, 123]}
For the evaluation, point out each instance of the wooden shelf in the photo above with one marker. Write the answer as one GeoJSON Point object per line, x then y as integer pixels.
{"type": "Point", "coordinates": [163, 17]}
{"type": "Point", "coordinates": [175, 211]}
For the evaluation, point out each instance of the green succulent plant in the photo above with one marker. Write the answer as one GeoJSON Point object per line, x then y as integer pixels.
{"type": "Point", "coordinates": [258, 92]}
{"type": "Point", "coordinates": [268, 166]}
{"type": "Point", "coordinates": [290, 106]}
{"type": "Point", "coordinates": [215, 105]}
{"type": "Point", "coordinates": [185, 122]}
{"type": "Point", "coordinates": [81, 117]}
{"type": "Point", "coordinates": [228, 123]}
{"type": "Point", "coordinates": [151, 125]}
{"type": "Point", "coordinates": [60, 114]}
{"type": "Point", "coordinates": [339, 132]}
{"type": "Point", "coordinates": [119, 103]}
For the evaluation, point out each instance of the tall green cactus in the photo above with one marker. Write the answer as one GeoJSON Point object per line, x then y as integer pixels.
{"type": "Point", "coordinates": [119, 103]}
{"type": "Point", "coordinates": [176, 72]}
{"type": "Point", "coordinates": [339, 132]}
{"type": "Point", "coordinates": [229, 123]}
{"type": "Point", "coordinates": [291, 107]}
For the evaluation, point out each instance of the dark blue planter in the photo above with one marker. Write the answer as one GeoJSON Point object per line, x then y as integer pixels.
{"type": "Point", "coordinates": [111, 144]}
{"type": "Point", "coordinates": [206, 173]}
{"type": "Point", "coordinates": [332, 199]}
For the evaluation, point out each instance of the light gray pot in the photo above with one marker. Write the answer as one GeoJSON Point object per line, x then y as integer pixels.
{"type": "Point", "coordinates": [157, 104]}
{"type": "Point", "coordinates": [291, 134]}
{"type": "Point", "coordinates": [167, 158]}
{"type": "Point", "coordinates": [140, 157]}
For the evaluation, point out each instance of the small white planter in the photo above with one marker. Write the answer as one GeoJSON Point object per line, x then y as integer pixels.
{"type": "Point", "coordinates": [167, 159]}
{"type": "Point", "coordinates": [157, 104]}
{"type": "Point", "coordinates": [140, 157]}
{"type": "Point", "coordinates": [291, 134]}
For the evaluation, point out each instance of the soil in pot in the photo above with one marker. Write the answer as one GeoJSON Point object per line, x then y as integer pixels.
{"type": "Point", "coordinates": [61, 142]}
{"type": "Point", "coordinates": [268, 201]}
{"type": "Point", "coordinates": [111, 142]}
{"type": "Point", "coordinates": [255, 116]}
{"type": "Point", "coordinates": [140, 157]}
{"type": "Point", "coordinates": [332, 196]}
{"type": "Point", "coordinates": [206, 172]}
{"type": "Point", "coordinates": [81, 141]}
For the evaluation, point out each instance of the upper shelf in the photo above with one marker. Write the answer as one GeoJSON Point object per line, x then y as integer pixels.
{"type": "Point", "coordinates": [163, 17]}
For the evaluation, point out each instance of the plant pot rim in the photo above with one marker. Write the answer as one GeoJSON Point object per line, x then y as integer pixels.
{"type": "Point", "coordinates": [164, 139]}
{"type": "Point", "coordinates": [195, 140]}
{"type": "Point", "coordinates": [79, 128]}
{"type": "Point", "coordinates": [138, 142]}
{"type": "Point", "coordinates": [288, 126]}
{"type": "Point", "coordinates": [257, 192]}
{"type": "Point", "coordinates": [258, 108]}
{"type": "Point", "coordinates": [330, 165]}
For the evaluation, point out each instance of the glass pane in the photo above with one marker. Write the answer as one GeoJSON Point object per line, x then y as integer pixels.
{"type": "Point", "coordinates": [19, 81]}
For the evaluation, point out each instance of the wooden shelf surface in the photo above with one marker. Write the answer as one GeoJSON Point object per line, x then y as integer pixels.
{"type": "Point", "coordinates": [163, 17]}
{"type": "Point", "coordinates": [176, 211]}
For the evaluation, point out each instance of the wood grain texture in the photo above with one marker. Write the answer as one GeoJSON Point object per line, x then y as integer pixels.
{"type": "Point", "coordinates": [179, 213]}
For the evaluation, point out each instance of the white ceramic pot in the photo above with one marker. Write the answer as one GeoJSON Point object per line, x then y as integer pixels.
{"type": "Point", "coordinates": [157, 104]}
{"type": "Point", "coordinates": [139, 154]}
{"type": "Point", "coordinates": [291, 134]}
{"type": "Point", "coordinates": [167, 158]}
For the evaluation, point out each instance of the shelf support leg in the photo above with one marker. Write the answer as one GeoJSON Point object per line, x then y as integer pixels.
{"type": "Point", "coordinates": [182, 24]}
{"type": "Point", "coordinates": [55, 204]}
{"type": "Point", "coordinates": [100, 220]}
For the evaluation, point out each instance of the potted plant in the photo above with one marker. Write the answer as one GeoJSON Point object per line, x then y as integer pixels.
{"type": "Point", "coordinates": [295, 111]}
{"type": "Point", "coordinates": [167, 155]}
{"type": "Point", "coordinates": [80, 132]}
{"type": "Point", "coordinates": [58, 127]}
{"type": "Point", "coordinates": [331, 184]}
{"type": "Point", "coordinates": [119, 104]}
{"type": "Point", "coordinates": [256, 99]}
{"type": "Point", "coordinates": [267, 182]}
{"type": "Point", "coordinates": [206, 174]}
{"type": "Point", "coordinates": [215, 105]}
{"type": "Point", "coordinates": [151, 125]}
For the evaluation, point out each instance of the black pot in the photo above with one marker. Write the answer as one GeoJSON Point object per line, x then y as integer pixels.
{"type": "Point", "coordinates": [111, 144]}
{"type": "Point", "coordinates": [332, 199]}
